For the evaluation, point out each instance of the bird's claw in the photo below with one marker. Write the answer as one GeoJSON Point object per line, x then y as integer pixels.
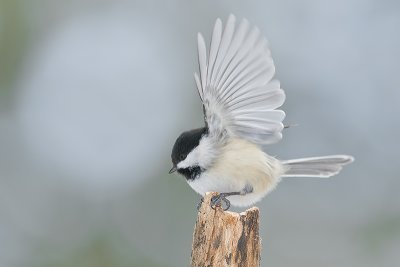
{"type": "Point", "coordinates": [220, 200]}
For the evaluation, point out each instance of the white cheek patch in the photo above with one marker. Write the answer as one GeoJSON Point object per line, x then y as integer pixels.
{"type": "Point", "coordinates": [207, 152]}
{"type": "Point", "coordinates": [203, 155]}
{"type": "Point", "coordinates": [191, 160]}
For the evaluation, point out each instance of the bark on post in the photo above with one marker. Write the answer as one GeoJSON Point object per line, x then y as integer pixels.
{"type": "Point", "coordinates": [224, 238]}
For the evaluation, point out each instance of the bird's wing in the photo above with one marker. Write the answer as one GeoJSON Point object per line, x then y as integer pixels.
{"type": "Point", "coordinates": [235, 84]}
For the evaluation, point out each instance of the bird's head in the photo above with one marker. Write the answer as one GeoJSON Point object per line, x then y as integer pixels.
{"type": "Point", "coordinates": [187, 153]}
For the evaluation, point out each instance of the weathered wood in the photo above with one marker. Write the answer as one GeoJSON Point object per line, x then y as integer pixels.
{"type": "Point", "coordinates": [224, 238]}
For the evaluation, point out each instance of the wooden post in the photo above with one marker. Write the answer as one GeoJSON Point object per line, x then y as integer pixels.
{"type": "Point", "coordinates": [224, 238]}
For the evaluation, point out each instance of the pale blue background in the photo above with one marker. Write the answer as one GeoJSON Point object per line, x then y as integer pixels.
{"type": "Point", "coordinates": [94, 93]}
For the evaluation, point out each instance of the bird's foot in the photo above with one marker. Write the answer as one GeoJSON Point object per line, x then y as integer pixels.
{"type": "Point", "coordinates": [216, 201]}
{"type": "Point", "coordinates": [220, 200]}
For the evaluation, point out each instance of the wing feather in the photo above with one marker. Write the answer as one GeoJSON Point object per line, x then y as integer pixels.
{"type": "Point", "coordinates": [198, 85]}
{"type": "Point", "coordinates": [236, 87]}
{"type": "Point", "coordinates": [202, 52]}
{"type": "Point", "coordinates": [223, 47]}
{"type": "Point", "coordinates": [216, 40]}
{"type": "Point", "coordinates": [244, 68]}
{"type": "Point", "coordinates": [234, 68]}
{"type": "Point", "coordinates": [233, 48]}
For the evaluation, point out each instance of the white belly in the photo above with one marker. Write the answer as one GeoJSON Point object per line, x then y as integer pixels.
{"type": "Point", "coordinates": [240, 163]}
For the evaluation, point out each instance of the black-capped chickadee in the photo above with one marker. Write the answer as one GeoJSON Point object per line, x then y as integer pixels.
{"type": "Point", "coordinates": [240, 101]}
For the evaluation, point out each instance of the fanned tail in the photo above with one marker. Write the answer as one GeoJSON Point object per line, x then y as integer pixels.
{"type": "Point", "coordinates": [322, 167]}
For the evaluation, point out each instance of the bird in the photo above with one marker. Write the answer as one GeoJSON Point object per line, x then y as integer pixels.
{"type": "Point", "coordinates": [240, 99]}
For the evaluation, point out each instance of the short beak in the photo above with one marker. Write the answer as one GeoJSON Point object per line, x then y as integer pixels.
{"type": "Point", "coordinates": [173, 169]}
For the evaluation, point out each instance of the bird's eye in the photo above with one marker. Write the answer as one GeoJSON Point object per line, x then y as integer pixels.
{"type": "Point", "coordinates": [182, 157]}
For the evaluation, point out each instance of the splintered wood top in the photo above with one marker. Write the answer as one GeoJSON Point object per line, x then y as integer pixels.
{"type": "Point", "coordinates": [224, 238]}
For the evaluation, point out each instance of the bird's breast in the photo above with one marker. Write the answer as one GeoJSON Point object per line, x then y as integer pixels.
{"type": "Point", "coordinates": [239, 164]}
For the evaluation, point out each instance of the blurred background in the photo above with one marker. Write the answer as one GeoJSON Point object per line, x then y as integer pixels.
{"type": "Point", "coordinates": [94, 93]}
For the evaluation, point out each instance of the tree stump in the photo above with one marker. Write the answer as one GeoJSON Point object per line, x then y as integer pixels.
{"type": "Point", "coordinates": [224, 238]}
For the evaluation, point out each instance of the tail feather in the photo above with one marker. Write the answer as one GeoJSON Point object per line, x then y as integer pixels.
{"type": "Point", "coordinates": [323, 167]}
